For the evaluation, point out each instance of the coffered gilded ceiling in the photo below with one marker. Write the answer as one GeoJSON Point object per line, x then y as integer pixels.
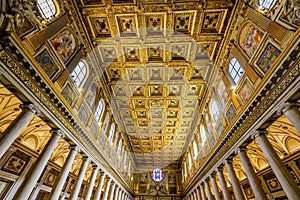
{"type": "Point", "coordinates": [156, 57]}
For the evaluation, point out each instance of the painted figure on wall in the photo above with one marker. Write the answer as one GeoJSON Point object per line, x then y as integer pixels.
{"type": "Point", "coordinates": [246, 91]}
{"type": "Point", "coordinates": [268, 57]}
{"type": "Point", "coordinates": [64, 44]}
{"type": "Point", "coordinates": [222, 93]}
{"type": "Point", "coordinates": [91, 95]}
{"type": "Point", "coordinates": [249, 39]}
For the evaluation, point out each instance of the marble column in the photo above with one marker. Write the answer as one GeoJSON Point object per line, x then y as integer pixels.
{"type": "Point", "coordinates": [238, 193]}
{"type": "Point", "coordinates": [120, 194]}
{"type": "Point", "coordinates": [92, 182]}
{"type": "Point", "coordinates": [111, 196]}
{"type": "Point", "coordinates": [202, 192]}
{"type": "Point", "coordinates": [195, 195]}
{"type": "Point", "coordinates": [16, 126]}
{"type": "Point", "coordinates": [223, 184]}
{"type": "Point", "coordinates": [39, 166]}
{"type": "Point", "coordinates": [291, 111]}
{"type": "Point", "coordinates": [215, 186]}
{"type": "Point", "coordinates": [117, 193]}
{"type": "Point", "coordinates": [107, 189]}
{"type": "Point", "coordinates": [100, 186]}
{"type": "Point", "coordinates": [62, 177]}
{"type": "Point", "coordinates": [251, 175]}
{"type": "Point", "coordinates": [198, 193]}
{"type": "Point", "coordinates": [77, 186]}
{"type": "Point", "coordinates": [281, 172]}
{"type": "Point", "coordinates": [208, 191]}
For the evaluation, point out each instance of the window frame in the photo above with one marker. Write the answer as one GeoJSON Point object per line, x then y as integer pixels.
{"type": "Point", "coordinates": [235, 70]}
{"type": "Point", "coordinates": [50, 8]}
{"type": "Point", "coordinates": [262, 4]}
{"type": "Point", "coordinates": [203, 133]}
{"type": "Point", "coordinates": [76, 75]}
{"type": "Point", "coordinates": [98, 114]}
{"type": "Point", "coordinates": [195, 148]}
{"type": "Point", "coordinates": [111, 132]}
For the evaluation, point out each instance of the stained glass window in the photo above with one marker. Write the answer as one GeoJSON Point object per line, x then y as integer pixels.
{"type": "Point", "coordinates": [157, 175]}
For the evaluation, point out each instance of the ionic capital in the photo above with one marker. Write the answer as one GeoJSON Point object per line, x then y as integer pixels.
{"type": "Point", "coordinates": [286, 106]}
{"type": "Point", "coordinates": [240, 149]}
{"type": "Point", "coordinates": [58, 132]}
{"type": "Point", "coordinates": [258, 133]}
{"type": "Point", "coordinates": [75, 148]}
{"type": "Point", "coordinates": [33, 108]}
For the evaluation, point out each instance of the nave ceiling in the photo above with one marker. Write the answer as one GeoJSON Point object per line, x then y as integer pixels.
{"type": "Point", "coordinates": [156, 59]}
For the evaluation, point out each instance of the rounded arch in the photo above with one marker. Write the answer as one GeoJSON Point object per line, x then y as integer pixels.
{"type": "Point", "coordinates": [31, 141]}
{"type": "Point", "coordinates": [48, 8]}
{"type": "Point", "coordinates": [292, 144]}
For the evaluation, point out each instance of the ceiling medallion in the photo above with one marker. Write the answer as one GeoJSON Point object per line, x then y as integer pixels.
{"type": "Point", "coordinates": [157, 175]}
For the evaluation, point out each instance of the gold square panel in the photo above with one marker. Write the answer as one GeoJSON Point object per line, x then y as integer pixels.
{"type": "Point", "coordinates": [184, 22]}
{"type": "Point", "coordinates": [155, 23]}
{"type": "Point", "coordinates": [127, 25]}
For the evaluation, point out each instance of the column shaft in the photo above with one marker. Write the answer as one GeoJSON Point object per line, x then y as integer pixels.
{"type": "Point", "coordinates": [282, 173]}
{"type": "Point", "coordinates": [107, 189]}
{"type": "Point", "coordinates": [62, 177]}
{"type": "Point", "coordinates": [208, 191]}
{"type": "Point", "coordinates": [92, 183]}
{"type": "Point", "coordinates": [234, 181]}
{"type": "Point", "coordinates": [252, 176]}
{"type": "Point", "coordinates": [38, 168]}
{"type": "Point", "coordinates": [76, 189]}
{"type": "Point", "coordinates": [112, 192]}
{"type": "Point", "coordinates": [291, 111]}
{"type": "Point", "coordinates": [215, 187]}
{"type": "Point", "coordinates": [198, 193]}
{"type": "Point", "coordinates": [223, 184]}
{"type": "Point", "coordinates": [100, 186]}
{"type": "Point", "coordinates": [117, 193]}
{"type": "Point", "coordinates": [16, 126]}
{"type": "Point", "coordinates": [202, 192]}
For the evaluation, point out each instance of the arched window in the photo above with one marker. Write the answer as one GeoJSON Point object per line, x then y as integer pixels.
{"type": "Point", "coordinates": [266, 4]}
{"type": "Point", "coordinates": [185, 170]}
{"type": "Point", "coordinates": [190, 160]}
{"type": "Point", "coordinates": [47, 8]}
{"type": "Point", "coordinates": [99, 110]}
{"type": "Point", "coordinates": [235, 70]}
{"type": "Point", "coordinates": [195, 149]}
{"type": "Point", "coordinates": [119, 148]}
{"type": "Point", "coordinates": [214, 109]}
{"type": "Point", "coordinates": [202, 132]}
{"type": "Point", "coordinates": [111, 132]}
{"type": "Point", "coordinates": [79, 73]}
